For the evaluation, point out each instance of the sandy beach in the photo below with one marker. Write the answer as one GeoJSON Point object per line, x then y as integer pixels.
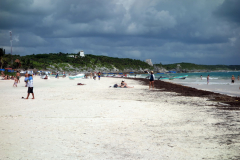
{"type": "Point", "coordinates": [94, 121]}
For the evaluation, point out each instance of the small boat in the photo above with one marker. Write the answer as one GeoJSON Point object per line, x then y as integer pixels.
{"type": "Point", "coordinates": [77, 76]}
{"type": "Point", "coordinates": [181, 77]}
{"type": "Point", "coordinates": [171, 78]}
{"type": "Point", "coordinates": [162, 77]}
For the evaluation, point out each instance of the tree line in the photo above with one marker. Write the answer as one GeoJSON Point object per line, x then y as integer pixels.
{"type": "Point", "coordinates": [43, 61]}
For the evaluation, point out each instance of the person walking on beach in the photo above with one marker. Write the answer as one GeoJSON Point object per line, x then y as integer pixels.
{"type": "Point", "coordinates": [57, 75]}
{"type": "Point", "coordinates": [151, 80]}
{"type": "Point", "coordinates": [30, 86]}
{"type": "Point", "coordinates": [99, 75]}
{"type": "Point", "coordinates": [207, 79]}
{"type": "Point", "coordinates": [18, 76]}
{"type": "Point", "coordinates": [233, 78]}
{"type": "Point", "coordinates": [15, 82]}
{"type": "Point", "coordinates": [201, 77]}
{"type": "Point", "coordinates": [238, 77]}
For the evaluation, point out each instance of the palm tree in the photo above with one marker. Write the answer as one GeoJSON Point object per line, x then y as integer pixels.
{"type": "Point", "coordinates": [3, 61]}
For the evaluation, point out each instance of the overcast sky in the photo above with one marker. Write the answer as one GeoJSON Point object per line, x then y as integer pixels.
{"type": "Point", "coordinates": [166, 31]}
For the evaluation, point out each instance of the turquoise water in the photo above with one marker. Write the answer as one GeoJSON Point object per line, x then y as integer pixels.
{"type": "Point", "coordinates": [194, 77]}
{"type": "Point", "coordinates": [219, 82]}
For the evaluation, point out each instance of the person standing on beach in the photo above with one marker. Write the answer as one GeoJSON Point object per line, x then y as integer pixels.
{"type": "Point", "coordinates": [233, 78]}
{"type": "Point", "coordinates": [91, 75]}
{"type": "Point", "coordinates": [201, 77]}
{"type": "Point", "coordinates": [30, 86]}
{"type": "Point", "coordinates": [57, 75]}
{"type": "Point", "coordinates": [151, 80]}
{"type": "Point", "coordinates": [207, 79]}
{"type": "Point", "coordinates": [238, 77]}
{"type": "Point", "coordinates": [18, 76]}
{"type": "Point", "coordinates": [15, 82]}
{"type": "Point", "coordinates": [99, 75]}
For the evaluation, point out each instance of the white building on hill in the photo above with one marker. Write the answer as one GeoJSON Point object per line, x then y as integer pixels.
{"type": "Point", "coordinates": [82, 54]}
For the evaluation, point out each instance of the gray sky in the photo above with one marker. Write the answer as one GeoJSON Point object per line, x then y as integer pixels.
{"type": "Point", "coordinates": [166, 31]}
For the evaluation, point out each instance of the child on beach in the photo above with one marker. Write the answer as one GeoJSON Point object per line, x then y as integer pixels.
{"type": "Point", "coordinates": [30, 86]}
{"type": "Point", "coordinates": [18, 76]}
{"type": "Point", "coordinates": [151, 80]}
{"type": "Point", "coordinates": [15, 82]}
{"type": "Point", "coordinates": [99, 75]}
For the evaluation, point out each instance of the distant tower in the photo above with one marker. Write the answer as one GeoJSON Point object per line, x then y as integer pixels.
{"type": "Point", "coordinates": [82, 54]}
{"type": "Point", "coordinates": [11, 45]}
{"type": "Point", "coordinates": [11, 40]}
{"type": "Point", "coordinates": [149, 61]}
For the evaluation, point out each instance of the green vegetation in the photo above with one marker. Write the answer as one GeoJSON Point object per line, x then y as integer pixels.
{"type": "Point", "coordinates": [191, 66]}
{"type": "Point", "coordinates": [55, 61]}
{"type": "Point", "coordinates": [58, 61]}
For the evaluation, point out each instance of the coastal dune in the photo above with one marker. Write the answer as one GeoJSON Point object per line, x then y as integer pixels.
{"type": "Point", "coordinates": [96, 121]}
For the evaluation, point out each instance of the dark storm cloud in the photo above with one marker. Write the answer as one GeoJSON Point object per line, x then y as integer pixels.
{"type": "Point", "coordinates": [166, 31]}
{"type": "Point", "coordinates": [229, 10]}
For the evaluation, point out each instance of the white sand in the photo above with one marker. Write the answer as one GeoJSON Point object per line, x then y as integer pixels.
{"type": "Point", "coordinates": [93, 121]}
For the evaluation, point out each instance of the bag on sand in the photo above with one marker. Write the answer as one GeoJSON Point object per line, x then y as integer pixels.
{"type": "Point", "coordinates": [115, 85]}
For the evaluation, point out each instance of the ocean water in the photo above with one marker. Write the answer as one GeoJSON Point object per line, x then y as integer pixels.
{"type": "Point", "coordinates": [219, 82]}
{"type": "Point", "coordinates": [195, 78]}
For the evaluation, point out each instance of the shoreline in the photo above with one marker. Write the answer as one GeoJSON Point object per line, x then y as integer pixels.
{"type": "Point", "coordinates": [232, 101]}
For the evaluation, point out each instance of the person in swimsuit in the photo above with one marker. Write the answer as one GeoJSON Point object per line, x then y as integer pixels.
{"type": "Point", "coordinates": [151, 80]}
{"type": "Point", "coordinates": [91, 75]}
{"type": "Point", "coordinates": [124, 85]}
{"type": "Point", "coordinates": [207, 79]}
{"type": "Point", "coordinates": [15, 82]}
{"type": "Point", "coordinates": [99, 75]}
{"type": "Point", "coordinates": [233, 78]}
{"type": "Point", "coordinates": [18, 76]}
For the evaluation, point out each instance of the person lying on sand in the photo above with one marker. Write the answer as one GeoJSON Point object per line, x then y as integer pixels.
{"type": "Point", "coordinates": [124, 85]}
{"type": "Point", "coordinates": [81, 84]}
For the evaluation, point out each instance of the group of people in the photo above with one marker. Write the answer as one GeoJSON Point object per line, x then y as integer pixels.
{"type": "Point", "coordinates": [28, 83]}
{"type": "Point", "coordinates": [122, 85]}
{"type": "Point", "coordinates": [94, 76]}
{"type": "Point", "coordinates": [233, 78]}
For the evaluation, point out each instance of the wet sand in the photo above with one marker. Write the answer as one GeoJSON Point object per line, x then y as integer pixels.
{"type": "Point", "coordinates": [95, 121]}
